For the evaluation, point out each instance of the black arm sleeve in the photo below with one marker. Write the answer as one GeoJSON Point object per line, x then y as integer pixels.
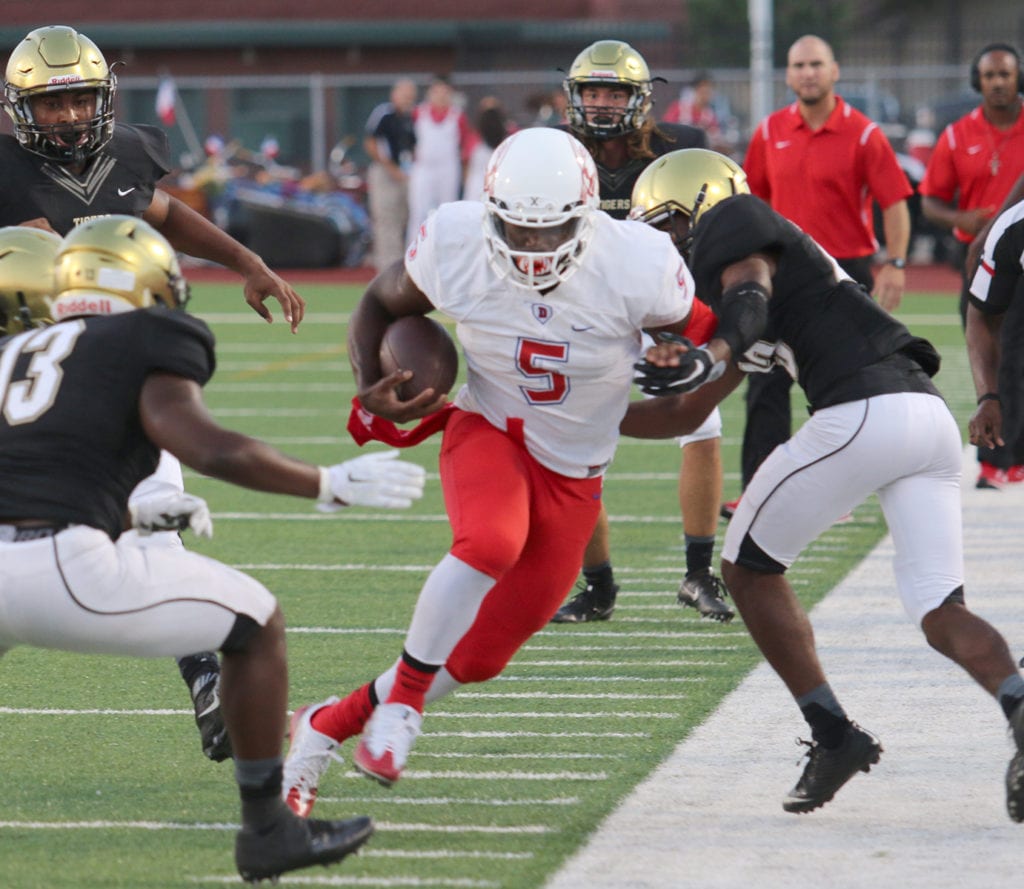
{"type": "Point", "coordinates": [742, 316]}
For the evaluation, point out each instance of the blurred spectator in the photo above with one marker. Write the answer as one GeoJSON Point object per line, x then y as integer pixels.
{"type": "Point", "coordinates": [442, 141]}
{"type": "Point", "coordinates": [973, 167]}
{"type": "Point", "coordinates": [492, 126]}
{"type": "Point", "coordinates": [389, 142]}
{"type": "Point", "coordinates": [695, 107]}
{"type": "Point", "coordinates": [548, 109]}
{"type": "Point", "coordinates": [819, 162]}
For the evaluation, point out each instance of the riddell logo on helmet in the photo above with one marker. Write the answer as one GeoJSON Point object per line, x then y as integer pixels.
{"type": "Point", "coordinates": [71, 306]}
{"type": "Point", "coordinates": [65, 78]}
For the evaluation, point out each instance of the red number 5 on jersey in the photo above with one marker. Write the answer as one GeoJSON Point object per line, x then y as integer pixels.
{"type": "Point", "coordinates": [532, 358]}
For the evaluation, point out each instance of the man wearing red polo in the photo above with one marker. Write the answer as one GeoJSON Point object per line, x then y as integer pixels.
{"type": "Point", "coordinates": [976, 162]}
{"type": "Point", "coordinates": [821, 163]}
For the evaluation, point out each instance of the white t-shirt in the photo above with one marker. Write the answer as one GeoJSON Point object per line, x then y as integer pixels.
{"type": "Point", "coordinates": [561, 361]}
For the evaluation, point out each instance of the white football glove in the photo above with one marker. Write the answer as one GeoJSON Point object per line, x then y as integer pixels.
{"type": "Point", "coordinates": [171, 511]}
{"type": "Point", "coordinates": [377, 479]}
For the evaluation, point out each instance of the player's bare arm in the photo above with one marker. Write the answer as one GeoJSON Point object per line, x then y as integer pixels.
{"type": "Point", "coordinates": [177, 420]}
{"type": "Point", "coordinates": [678, 414]}
{"type": "Point", "coordinates": [192, 233]}
{"type": "Point", "coordinates": [392, 294]}
{"type": "Point", "coordinates": [983, 336]}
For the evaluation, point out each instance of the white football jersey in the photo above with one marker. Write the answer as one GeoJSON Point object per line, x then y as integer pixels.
{"type": "Point", "coordinates": [560, 361]}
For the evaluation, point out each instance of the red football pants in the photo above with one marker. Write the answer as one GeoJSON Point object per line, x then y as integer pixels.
{"type": "Point", "coordinates": [518, 522]}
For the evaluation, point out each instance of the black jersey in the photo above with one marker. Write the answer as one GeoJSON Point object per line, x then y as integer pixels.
{"type": "Point", "coordinates": [120, 179]}
{"type": "Point", "coordinates": [824, 328]}
{"type": "Point", "coordinates": [72, 447]}
{"type": "Point", "coordinates": [616, 186]}
{"type": "Point", "coordinates": [1007, 264]}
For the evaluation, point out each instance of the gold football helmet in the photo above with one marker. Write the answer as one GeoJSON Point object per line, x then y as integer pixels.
{"type": "Point", "coordinates": [115, 264]}
{"type": "Point", "coordinates": [608, 63]}
{"type": "Point", "coordinates": [26, 277]}
{"type": "Point", "coordinates": [686, 182]}
{"type": "Point", "coordinates": [59, 59]}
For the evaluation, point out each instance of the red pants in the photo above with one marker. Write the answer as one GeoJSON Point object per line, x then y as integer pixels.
{"type": "Point", "coordinates": [518, 522]}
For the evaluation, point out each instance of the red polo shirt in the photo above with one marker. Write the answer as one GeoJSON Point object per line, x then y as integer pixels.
{"type": "Point", "coordinates": [975, 163]}
{"type": "Point", "coordinates": [825, 180]}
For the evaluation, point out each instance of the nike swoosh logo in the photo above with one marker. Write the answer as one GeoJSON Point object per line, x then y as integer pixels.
{"type": "Point", "coordinates": [125, 191]}
{"type": "Point", "coordinates": [784, 144]}
{"type": "Point", "coordinates": [974, 149]}
{"type": "Point", "coordinates": [214, 704]}
{"type": "Point", "coordinates": [581, 329]}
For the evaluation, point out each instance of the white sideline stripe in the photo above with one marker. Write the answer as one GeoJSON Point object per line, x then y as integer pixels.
{"type": "Point", "coordinates": [529, 647]}
{"type": "Point", "coordinates": [474, 735]}
{"type": "Point", "coordinates": [367, 882]}
{"type": "Point", "coordinates": [533, 715]}
{"type": "Point", "coordinates": [930, 815]}
{"type": "Point", "coordinates": [602, 663]}
{"type": "Point", "coordinates": [550, 679]}
{"type": "Point", "coordinates": [546, 633]}
{"type": "Point", "coordinates": [421, 775]}
{"type": "Point", "coordinates": [427, 854]}
{"type": "Point", "coordinates": [607, 696]}
{"type": "Point", "coordinates": [346, 516]}
{"type": "Point", "coordinates": [513, 829]}
{"type": "Point", "coordinates": [54, 711]}
{"type": "Point", "coordinates": [29, 711]}
{"type": "Point", "coordinates": [452, 801]}
{"type": "Point", "coordinates": [572, 754]}
{"type": "Point", "coordinates": [114, 825]}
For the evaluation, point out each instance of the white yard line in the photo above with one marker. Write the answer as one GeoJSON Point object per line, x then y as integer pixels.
{"type": "Point", "coordinates": [931, 814]}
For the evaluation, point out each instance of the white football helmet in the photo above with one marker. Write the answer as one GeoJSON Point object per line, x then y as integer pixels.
{"type": "Point", "coordinates": [540, 193]}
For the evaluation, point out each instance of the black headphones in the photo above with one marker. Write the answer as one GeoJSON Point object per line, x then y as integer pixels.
{"type": "Point", "coordinates": [995, 47]}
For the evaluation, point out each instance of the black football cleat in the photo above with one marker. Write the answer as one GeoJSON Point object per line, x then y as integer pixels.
{"type": "Point", "coordinates": [829, 769]}
{"type": "Point", "coordinates": [292, 842]}
{"type": "Point", "coordinates": [1015, 771]}
{"type": "Point", "coordinates": [590, 604]}
{"type": "Point", "coordinates": [705, 591]}
{"type": "Point", "coordinates": [213, 734]}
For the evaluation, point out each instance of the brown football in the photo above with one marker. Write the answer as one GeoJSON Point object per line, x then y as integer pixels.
{"type": "Point", "coordinates": [420, 344]}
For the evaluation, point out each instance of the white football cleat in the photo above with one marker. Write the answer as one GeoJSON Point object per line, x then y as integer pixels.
{"type": "Point", "coordinates": [386, 742]}
{"type": "Point", "coordinates": [309, 754]}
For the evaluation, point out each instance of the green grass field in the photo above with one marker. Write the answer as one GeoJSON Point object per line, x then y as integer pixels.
{"type": "Point", "coordinates": [104, 783]}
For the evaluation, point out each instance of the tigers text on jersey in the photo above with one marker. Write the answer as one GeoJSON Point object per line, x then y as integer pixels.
{"type": "Point", "coordinates": [616, 186]}
{"type": "Point", "coordinates": [1002, 263]}
{"type": "Point", "coordinates": [121, 179]}
{"type": "Point", "coordinates": [72, 446]}
{"type": "Point", "coordinates": [561, 361]}
{"type": "Point", "coordinates": [822, 327]}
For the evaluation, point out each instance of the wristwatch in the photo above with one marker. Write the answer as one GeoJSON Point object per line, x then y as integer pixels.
{"type": "Point", "coordinates": [897, 262]}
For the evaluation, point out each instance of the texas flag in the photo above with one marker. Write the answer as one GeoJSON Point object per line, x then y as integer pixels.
{"type": "Point", "coordinates": [166, 99]}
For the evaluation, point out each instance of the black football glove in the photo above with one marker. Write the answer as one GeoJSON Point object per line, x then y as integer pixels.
{"type": "Point", "coordinates": [696, 367]}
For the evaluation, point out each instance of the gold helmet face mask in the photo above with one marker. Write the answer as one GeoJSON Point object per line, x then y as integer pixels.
{"type": "Point", "coordinates": [608, 63]}
{"type": "Point", "coordinates": [116, 264]}
{"type": "Point", "coordinates": [687, 182]}
{"type": "Point", "coordinates": [26, 277]}
{"type": "Point", "coordinates": [58, 59]}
